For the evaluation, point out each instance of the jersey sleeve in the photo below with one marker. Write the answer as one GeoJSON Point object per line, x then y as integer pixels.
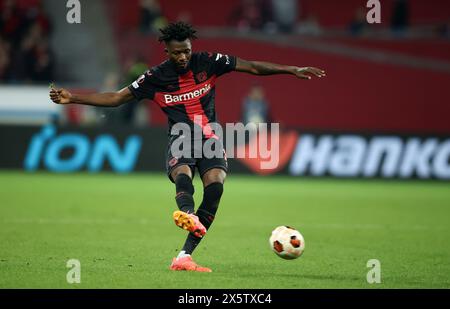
{"type": "Point", "coordinates": [222, 64]}
{"type": "Point", "coordinates": [143, 87]}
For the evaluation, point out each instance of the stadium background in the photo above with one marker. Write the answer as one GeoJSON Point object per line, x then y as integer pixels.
{"type": "Point", "coordinates": [380, 118]}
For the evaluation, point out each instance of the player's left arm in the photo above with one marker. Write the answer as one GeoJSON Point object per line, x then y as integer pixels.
{"type": "Point", "coordinates": [267, 68]}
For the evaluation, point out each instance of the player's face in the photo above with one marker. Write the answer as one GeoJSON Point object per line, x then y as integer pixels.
{"type": "Point", "coordinates": [179, 52]}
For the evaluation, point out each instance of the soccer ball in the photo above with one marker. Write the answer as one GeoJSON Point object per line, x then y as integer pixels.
{"type": "Point", "coordinates": [287, 242]}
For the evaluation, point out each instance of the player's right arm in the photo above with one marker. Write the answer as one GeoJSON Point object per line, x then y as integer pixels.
{"type": "Point", "coordinates": [107, 99]}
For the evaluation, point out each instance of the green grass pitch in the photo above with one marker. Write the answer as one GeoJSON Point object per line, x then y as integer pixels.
{"type": "Point", "coordinates": [120, 229]}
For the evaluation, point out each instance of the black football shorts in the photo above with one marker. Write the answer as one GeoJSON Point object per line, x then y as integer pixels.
{"type": "Point", "coordinates": [196, 157]}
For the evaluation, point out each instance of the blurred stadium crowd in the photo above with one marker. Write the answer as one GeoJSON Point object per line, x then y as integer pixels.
{"type": "Point", "coordinates": [29, 30]}
{"type": "Point", "coordinates": [25, 28]}
{"type": "Point", "coordinates": [25, 53]}
{"type": "Point", "coordinates": [381, 111]}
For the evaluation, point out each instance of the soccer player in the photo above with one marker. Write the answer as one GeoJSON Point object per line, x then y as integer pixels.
{"type": "Point", "coordinates": [184, 87]}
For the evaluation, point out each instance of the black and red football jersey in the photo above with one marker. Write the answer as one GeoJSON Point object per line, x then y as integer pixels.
{"type": "Point", "coordinates": [187, 96]}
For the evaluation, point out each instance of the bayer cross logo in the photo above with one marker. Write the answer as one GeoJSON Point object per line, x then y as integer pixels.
{"type": "Point", "coordinates": [173, 161]}
{"type": "Point", "coordinates": [202, 76]}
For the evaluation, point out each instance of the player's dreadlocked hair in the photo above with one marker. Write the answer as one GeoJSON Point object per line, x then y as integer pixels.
{"type": "Point", "coordinates": [179, 31]}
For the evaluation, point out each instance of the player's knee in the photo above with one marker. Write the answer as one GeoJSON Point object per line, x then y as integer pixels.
{"type": "Point", "coordinates": [182, 169]}
{"type": "Point", "coordinates": [214, 176]}
{"type": "Point", "coordinates": [183, 183]}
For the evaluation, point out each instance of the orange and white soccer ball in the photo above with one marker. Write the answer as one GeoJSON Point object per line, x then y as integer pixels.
{"type": "Point", "coordinates": [287, 242]}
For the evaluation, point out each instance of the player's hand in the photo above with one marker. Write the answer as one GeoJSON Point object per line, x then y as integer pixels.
{"type": "Point", "coordinates": [60, 96]}
{"type": "Point", "coordinates": [305, 73]}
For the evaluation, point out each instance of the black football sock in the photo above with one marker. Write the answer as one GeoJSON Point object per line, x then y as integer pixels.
{"type": "Point", "coordinates": [206, 213]}
{"type": "Point", "coordinates": [191, 243]}
{"type": "Point", "coordinates": [208, 208]}
{"type": "Point", "coordinates": [185, 192]}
